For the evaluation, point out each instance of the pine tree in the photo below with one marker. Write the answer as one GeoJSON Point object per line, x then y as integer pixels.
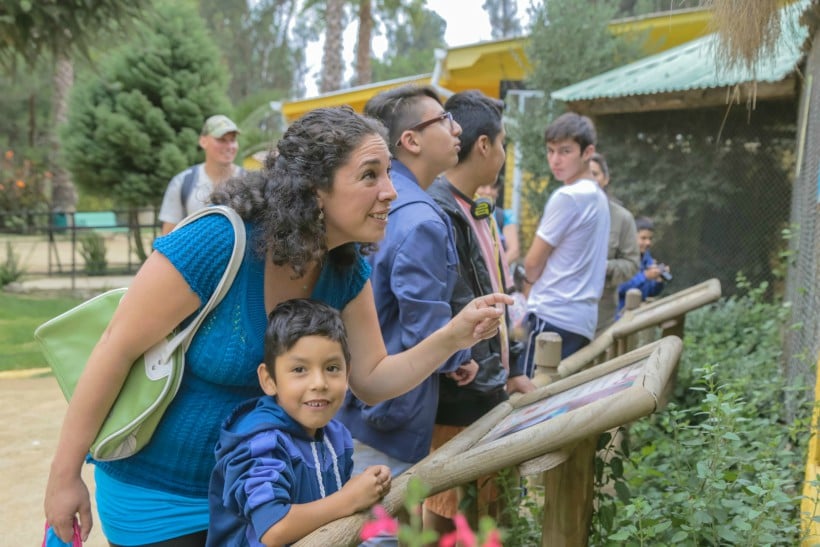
{"type": "Point", "coordinates": [136, 124]}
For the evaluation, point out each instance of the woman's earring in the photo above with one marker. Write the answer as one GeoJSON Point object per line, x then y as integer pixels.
{"type": "Point", "coordinates": [321, 215]}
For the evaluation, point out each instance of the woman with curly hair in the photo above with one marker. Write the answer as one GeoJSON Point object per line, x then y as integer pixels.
{"type": "Point", "coordinates": [311, 213]}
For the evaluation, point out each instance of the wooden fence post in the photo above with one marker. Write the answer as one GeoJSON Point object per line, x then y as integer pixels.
{"type": "Point", "coordinates": [631, 302]}
{"type": "Point", "coordinates": [547, 356]}
{"type": "Point", "coordinates": [568, 498]}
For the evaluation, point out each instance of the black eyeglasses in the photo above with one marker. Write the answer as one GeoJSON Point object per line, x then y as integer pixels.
{"type": "Point", "coordinates": [426, 123]}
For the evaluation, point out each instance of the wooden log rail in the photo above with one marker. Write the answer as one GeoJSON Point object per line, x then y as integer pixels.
{"type": "Point", "coordinates": [668, 314]}
{"type": "Point", "coordinates": [550, 429]}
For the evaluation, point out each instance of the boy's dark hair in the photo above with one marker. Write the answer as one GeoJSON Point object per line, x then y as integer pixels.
{"type": "Point", "coordinates": [644, 223]}
{"type": "Point", "coordinates": [599, 158]}
{"type": "Point", "coordinates": [570, 125]}
{"type": "Point", "coordinates": [396, 109]}
{"type": "Point", "coordinates": [294, 319]}
{"type": "Point", "coordinates": [477, 114]}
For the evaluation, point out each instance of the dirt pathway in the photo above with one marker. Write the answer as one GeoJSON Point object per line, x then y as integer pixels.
{"type": "Point", "coordinates": [31, 414]}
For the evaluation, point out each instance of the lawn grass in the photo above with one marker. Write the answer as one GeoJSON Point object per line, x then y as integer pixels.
{"type": "Point", "coordinates": [19, 316]}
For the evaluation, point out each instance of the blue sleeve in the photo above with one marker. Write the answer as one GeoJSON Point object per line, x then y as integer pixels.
{"type": "Point", "coordinates": [258, 482]}
{"type": "Point", "coordinates": [636, 282]}
{"type": "Point", "coordinates": [651, 288]}
{"type": "Point", "coordinates": [419, 279]}
{"type": "Point", "coordinates": [200, 251]}
{"type": "Point", "coordinates": [337, 286]}
{"type": "Point", "coordinates": [647, 287]}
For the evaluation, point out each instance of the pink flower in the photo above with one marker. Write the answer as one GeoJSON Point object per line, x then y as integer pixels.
{"type": "Point", "coordinates": [384, 524]}
{"type": "Point", "coordinates": [462, 536]}
{"type": "Point", "coordinates": [493, 539]}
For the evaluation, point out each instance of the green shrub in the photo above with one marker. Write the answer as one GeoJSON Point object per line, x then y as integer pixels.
{"type": "Point", "coordinates": [92, 249]}
{"type": "Point", "coordinates": [718, 466]}
{"type": "Point", "coordinates": [10, 269]}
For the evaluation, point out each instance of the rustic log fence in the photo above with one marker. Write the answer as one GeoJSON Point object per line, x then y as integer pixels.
{"type": "Point", "coordinates": [553, 431]}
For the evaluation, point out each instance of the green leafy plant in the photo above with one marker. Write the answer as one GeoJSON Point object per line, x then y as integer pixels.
{"type": "Point", "coordinates": [22, 192]}
{"type": "Point", "coordinates": [718, 466]}
{"type": "Point", "coordinates": [93, 251]}
{"type": "Point", "coordinates": [522, 510]}
{"type": "Point", "coordinates": [10, 269]}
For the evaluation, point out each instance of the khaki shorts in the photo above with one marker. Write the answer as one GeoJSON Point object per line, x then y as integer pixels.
{"type": "Point", "coordinates": [446, 503]}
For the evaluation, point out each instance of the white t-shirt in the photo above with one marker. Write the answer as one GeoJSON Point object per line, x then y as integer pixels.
{"type": "Point", "coordinates": [199, 197]}
{"type": "Point", "coordinates": [575, 224]}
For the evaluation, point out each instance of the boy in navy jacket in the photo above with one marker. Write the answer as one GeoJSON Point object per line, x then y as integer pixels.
{"type": "Point", "coordinates": [283, 463]}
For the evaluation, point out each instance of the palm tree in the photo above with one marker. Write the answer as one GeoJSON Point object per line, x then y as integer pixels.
{"type": "Point", "coordinates": [364, 73]}
{"type": "Point", "coordinates": [332, 63]}
{"type": "Point", "coordinates": [63, 193]}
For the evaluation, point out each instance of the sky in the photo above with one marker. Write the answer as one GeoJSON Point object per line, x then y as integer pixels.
{"type": "Point", "coordinates": [467, 23]}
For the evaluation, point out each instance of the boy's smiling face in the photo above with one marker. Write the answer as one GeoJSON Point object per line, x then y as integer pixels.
{"type": "Point", "coordinates": [310, 383]}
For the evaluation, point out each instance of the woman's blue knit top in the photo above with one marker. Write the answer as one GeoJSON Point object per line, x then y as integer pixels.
{"type": "Point", "coordinates": [220, 364]}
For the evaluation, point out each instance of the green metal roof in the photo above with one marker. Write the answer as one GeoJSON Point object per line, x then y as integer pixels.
{"type": "Point", "coordinates": [693, 66]}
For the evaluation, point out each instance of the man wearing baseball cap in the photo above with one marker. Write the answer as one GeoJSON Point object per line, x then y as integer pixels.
{"type": "Point", "coordinates": [191, 189]}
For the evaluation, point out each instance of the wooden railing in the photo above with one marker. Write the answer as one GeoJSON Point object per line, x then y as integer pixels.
{"type": "Point", "coordinates": [635, 327]}
{"type": "Point", "coordinates": [603, 386]}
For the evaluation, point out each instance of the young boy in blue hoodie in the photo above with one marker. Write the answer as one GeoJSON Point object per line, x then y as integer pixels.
{"type": "Point", "coordinates": [283, 463]}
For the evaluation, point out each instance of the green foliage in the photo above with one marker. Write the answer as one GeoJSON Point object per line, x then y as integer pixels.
{"type": "Point", "coordinates": [92, 249]}
{"type": "Point", "coordinates": [32, 28]}
{"type": "Point", "coordinates": [22, 192]}
{"type": "Point", "coordinates": [522, 511]}
{"type": "Point", "coordinates": [718, 466]}
{"type": "Point", "coordinates": [258, 45]}
{"type": "Point", "coordinates": [19, 316]}
{"type": "Point", "coordinates": [25, 108]}
{"type": "Point", "coordinates": [261, 126]}
{"type": "Point", "coordinates": [413, 40]}
{"type": "Point", "coordinates": [411, 533]}
{"type": "Point", "coordinates": [569, 41]}
{"type": "Point", "coordinates": [10, 270]}
{"type": "Point", "coordinates": [136, 123]}
{"type": "Point", "coordinates": [503, 18]}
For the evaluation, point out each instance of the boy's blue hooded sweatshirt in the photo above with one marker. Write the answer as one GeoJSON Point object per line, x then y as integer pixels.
{"type": "Point", "coordinates": [265, 463]}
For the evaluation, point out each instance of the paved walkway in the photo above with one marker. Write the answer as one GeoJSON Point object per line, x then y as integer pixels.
{"type": "Point", "coordinates": [81, 284]}
{"type": "Point", "coordinates": [31, 414]}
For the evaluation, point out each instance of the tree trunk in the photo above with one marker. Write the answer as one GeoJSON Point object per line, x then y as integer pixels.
{"type": "Point", "coordinates": [364, 74]}
{"type": "Point", "coordinates": [332, 64]}
{"type": "Point", "coordinates": [63, 194]}
{"type": "Point", "coordinates": [136, 234]}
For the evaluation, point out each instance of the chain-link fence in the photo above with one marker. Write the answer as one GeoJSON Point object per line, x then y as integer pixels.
{"type": "Point", "coordinates": [803, 339]}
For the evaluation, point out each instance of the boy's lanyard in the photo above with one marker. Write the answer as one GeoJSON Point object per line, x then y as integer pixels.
{"type": "Point", "coordinates": [502, 330]}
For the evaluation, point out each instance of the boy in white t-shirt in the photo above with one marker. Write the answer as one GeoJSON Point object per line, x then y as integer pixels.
{"type": "Point", "coordinates": [566, 263]}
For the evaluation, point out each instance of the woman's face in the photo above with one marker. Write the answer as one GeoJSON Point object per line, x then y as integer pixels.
{"type": "Point", "coordinates": [356, 207]}
{"type": "Point", "coordinates": [598, 173]}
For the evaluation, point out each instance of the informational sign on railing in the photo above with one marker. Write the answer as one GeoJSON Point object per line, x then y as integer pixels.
{"type": "Point", "coordinates": [545, 421]}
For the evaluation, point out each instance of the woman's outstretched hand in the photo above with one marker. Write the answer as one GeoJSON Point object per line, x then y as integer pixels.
{"type": "Point", "coordinates": [480, 319]}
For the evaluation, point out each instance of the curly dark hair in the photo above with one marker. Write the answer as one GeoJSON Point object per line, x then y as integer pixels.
{"type": "Point", "coordinates": [281, 198]}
